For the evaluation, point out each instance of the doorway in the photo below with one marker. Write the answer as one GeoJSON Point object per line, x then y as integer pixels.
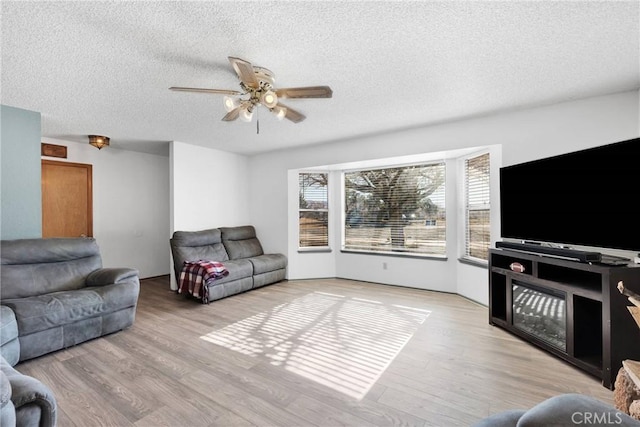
{"type": "Point", "coordinates": [67, 199]}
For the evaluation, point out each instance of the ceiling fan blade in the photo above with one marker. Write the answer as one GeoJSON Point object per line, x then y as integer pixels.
{"type": "Point", "coordinates": [196, 89]}
{"type": "Point", "coordinates": [232, 115]}
{"type": "Point", "coordinates": [291, 114]}
{"type": "Point", "coordinates": [245, 72]}
{"type": "Point", "coordinates": [305, 92]}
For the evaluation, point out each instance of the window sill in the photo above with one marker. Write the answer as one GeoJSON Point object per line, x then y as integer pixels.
{"type": "Point", "coordinates": [397, 254]}
{"type": "Point", "coordinates": [474, 261]}
{"type": "Point", "coordinates": [314, 250]}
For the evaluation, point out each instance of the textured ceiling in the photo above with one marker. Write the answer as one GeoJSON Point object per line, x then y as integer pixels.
{"type": "Point", "coordinates": [105, 67]}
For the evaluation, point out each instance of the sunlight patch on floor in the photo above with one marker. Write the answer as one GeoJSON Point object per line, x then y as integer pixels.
{"type": "Point", "coordinates": [341, 342]}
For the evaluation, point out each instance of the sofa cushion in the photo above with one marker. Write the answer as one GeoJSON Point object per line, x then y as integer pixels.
{"type": "Point", "coordinates": [268, 262]}
{"type": "Point", "coordinates": [11, 352]}
{"type": "Point", "coordinates": [33, 267]}
{"type": "Point", "coordinates": [8, 325]}
{"type": "Point", "coordinates": [9, 343]}
{"type": "Point", "coordinates": [47, 311]}
{"type": "Point", "coordinates": [215, 252]}
{"type": "Point", "coordinates": [241, 242]}
{"type": "Point", "coordinates": [197, 238]}
{"type": "Point", "coordinates": [238, 269]}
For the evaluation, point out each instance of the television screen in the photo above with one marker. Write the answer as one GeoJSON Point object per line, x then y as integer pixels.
{"type": "Point", "coordinates": [588, 198]}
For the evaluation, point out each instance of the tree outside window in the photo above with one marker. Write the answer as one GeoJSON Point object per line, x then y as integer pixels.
{"type": "Point", "coordinates": [398, 210]}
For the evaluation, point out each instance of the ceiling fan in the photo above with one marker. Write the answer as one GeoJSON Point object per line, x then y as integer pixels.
{"type": "Point", "coordinates": [257, 88]}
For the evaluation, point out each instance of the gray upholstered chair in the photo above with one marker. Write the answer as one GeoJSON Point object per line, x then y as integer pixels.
{"type": "Point", "coordinates": [565, 410]}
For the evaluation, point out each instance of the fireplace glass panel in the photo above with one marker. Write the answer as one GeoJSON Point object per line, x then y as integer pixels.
{"type": "Point", "coordinates": [541, 313]}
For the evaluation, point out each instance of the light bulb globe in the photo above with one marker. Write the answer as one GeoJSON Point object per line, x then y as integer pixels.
{"type": "Point", "coordinates": [281, 112]}
{"type": "Point", "coordinates": [269, 99]}
{"type": "Point", "coordinates": [230, 103]}
{"type": "Point", "coordinates": [246, 114]}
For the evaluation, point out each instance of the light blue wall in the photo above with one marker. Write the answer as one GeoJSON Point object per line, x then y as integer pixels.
{"type": "Point", "coordinates": [20, 188]}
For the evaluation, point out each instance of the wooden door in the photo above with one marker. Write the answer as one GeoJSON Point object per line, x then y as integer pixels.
{"type": "Point", "coordinates": [67, 199]}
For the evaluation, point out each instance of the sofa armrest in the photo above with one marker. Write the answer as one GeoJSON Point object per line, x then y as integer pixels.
{"type": "Point", "coordinates": [26, 391]}
{"type": "Point", "coordinates": [109, 276]}
{"type": "Point", "coordinates": [7, 410]}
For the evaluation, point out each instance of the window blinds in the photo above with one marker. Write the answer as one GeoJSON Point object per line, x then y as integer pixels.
{"type": "Point", "coordinates": [399, 209]}
{"type": "Point", "coordinates": [313, 203]}
{"type": "Point", "coordinates": [477, 227]}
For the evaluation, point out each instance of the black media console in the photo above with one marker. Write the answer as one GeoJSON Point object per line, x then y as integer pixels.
{"type": "Point", "coordinates": [570, 309]}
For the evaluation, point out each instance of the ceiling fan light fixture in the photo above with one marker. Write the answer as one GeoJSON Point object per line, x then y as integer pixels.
{"type": "Point", "coordinates": [246, 113]}
{"type": "Point", "coordinates": [269, 99]}
{"type": "Point", "coordinates": [99, 141]}
{"type": "Point", "coordinates": [230, 103]}
{"type": "Point", "coordinates": [257, 84]}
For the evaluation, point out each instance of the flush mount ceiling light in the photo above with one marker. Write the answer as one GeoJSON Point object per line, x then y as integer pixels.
{"type": "Point", "coordinates": [257, 90]}
{"type": "Point", "coordinates": [99, 141]}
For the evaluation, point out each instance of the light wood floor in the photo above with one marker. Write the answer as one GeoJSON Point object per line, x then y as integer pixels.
{"type": "Point", "coordinates": [303, 353]}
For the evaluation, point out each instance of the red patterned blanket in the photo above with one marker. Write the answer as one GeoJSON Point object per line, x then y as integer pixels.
{"type": "Point", "coordinates": [196, 275]}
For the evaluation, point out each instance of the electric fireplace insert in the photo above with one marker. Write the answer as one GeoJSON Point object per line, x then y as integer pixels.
{"type": "Point", "coordinates": [540, 312]}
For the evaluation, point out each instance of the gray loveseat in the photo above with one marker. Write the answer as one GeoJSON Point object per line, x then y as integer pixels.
{"type": "Point", "coordinates": [61, 296]}
{"type": "Point", "coordinates": [239, 249]}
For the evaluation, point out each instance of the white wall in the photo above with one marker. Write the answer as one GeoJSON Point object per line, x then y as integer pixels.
{"type": "Point", "coordinates": [209, 189]}
{"type": "Point", "coordinates": [130, 205]}
{"type": "Point", "coordinates": [524, 135]}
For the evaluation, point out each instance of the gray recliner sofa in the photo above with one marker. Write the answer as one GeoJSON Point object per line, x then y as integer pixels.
{"type": "Point", "coordinates": [239, 249]}
{"type": "Point", "coordinates": [54, 294]}
{"type": "Point", "coordinates": [61, 296]}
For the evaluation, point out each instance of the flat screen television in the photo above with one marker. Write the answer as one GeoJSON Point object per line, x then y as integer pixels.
{"type": "Point", "coordinates": [588, 198]}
